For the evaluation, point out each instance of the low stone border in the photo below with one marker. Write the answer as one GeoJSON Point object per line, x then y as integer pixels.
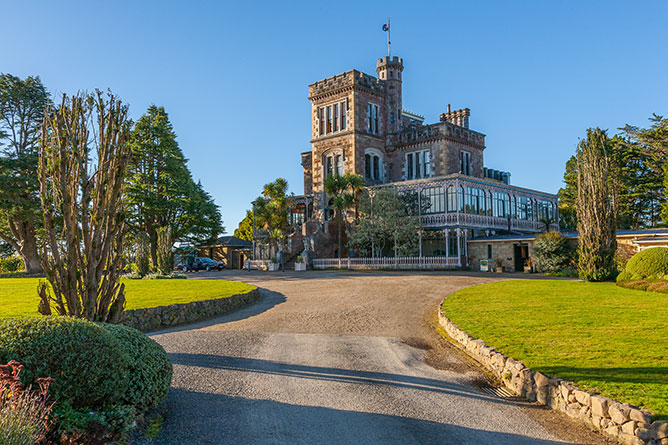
{"type": "Point", "coordinates": [622, 421]}
{"type": "Point", "coordinates": [156, 318]}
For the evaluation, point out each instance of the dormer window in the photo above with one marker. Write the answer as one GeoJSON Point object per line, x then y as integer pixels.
{"type": "Point", "coordinates": [332, 118]}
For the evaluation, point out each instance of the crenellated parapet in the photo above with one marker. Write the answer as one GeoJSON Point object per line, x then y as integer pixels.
{"type": "Point", "coordinates": [345, 81]}
{"type": "Point", "coordinates": [441, 130]}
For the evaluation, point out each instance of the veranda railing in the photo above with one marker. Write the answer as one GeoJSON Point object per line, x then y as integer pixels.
{"type": "Point", "coordinates": [424, 262]}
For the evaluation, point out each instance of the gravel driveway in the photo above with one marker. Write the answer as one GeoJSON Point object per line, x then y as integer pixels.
{"type": "Point", "coordinates": [341, 358]}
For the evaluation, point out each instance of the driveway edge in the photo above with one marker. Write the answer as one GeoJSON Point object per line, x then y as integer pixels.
{"type": "Point", "coordinates": [160, 317]}
{"type": "Point", "coordinates": [622, 421]}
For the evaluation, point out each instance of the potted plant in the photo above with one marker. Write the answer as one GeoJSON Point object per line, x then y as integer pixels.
{"type": "Point", "coordinates": [300, 265]}
{"type": "Point", "coordinates": [274, 265]}
{"type": "Point", "coordinates": [528, 265]}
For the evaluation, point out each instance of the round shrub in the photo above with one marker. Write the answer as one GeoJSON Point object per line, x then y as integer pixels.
{"type": "Point", "coordinates": [88, 363]}
{"type": "Point", "coordinates": [647, 264]}
{"type": "Point", "coordinates": [150, 369]}
{"type": "Point", "coordinates": [553, 252]}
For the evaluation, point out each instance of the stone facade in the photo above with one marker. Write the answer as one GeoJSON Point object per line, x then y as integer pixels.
{"type": "Point", "coordinates": [624, 422]}
{"type": "Point", "coordinates": [359, 126]}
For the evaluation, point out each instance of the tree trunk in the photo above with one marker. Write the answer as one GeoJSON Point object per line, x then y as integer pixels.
{"type": "Point", "coordinates": [25, 243]}
{"type": "Point", "coordinates": [338, 229]}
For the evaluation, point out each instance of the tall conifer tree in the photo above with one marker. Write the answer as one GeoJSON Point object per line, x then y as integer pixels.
{"type": "Point", "coordinates": [161, 191]}
{"type": "Point", "coordinates": [22, 104]}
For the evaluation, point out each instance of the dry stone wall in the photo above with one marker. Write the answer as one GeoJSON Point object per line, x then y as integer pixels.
{"type": "Point", "coordinates": [628, 424]}
{"type": "Point", "coordinates": [156, 318]}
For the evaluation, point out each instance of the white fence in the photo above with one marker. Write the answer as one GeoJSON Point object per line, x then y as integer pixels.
{"type": "Point", "coordinates": [257, 264]}
{"type": "Point", "coordinates": [436, 262]}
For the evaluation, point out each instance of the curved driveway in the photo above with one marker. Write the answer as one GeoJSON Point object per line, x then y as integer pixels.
{"type": "Point", "coordinates": [341, 358]}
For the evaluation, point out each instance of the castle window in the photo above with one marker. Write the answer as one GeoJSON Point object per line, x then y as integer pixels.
{"type": "Point", "coordinates": [344, 105]}
{"type": "Point", "coordinates": [336, 117]}
{"type": "Point", "coordinates": [418, 165]}
{"type": "Point", "coordinates": [321, 120]}
{"type": "Point", "coordinates": [339, 165]}
{"type": "Point", "coordinates": [465, 163]}
{"type": "Point", "coordinates": [372, 116]}
{"type": "Point", "coordinates": [391, 118]}
{"type": "Point", "coordinates": [329, 119]}
{"type": "Point", "coordinates": [332, 118]}
{"type": "Point", "coordinates": [329, 167]}
{"type": "Point", "coordinates": [373, 165]}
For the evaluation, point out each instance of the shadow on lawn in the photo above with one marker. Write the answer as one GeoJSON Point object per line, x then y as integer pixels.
{"type": "Point", "coordinates": [642, 374]}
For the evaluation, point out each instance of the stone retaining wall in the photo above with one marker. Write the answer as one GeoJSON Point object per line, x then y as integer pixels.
{"type": "Point", "coordinates": [156, 318]}
{"type": "Point", "coordinates": [622, 421]}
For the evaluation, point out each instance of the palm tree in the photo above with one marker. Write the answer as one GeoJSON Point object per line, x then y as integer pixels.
{"type": "Point", "coordinates": [272, 211]}
{"type": "Point", "coordinates": [344, 194]}
{"type": "Point", "coordinates": [355, 187]}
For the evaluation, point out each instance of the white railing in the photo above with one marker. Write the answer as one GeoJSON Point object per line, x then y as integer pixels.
{"type": "Point", "coordinates": [257, 264]}
{"type": "Point", "coordinates": [482, 221]}
{"type": "Point", "coordinates": [387, 263]}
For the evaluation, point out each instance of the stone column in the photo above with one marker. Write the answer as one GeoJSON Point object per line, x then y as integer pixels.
{"type": "Point", "coordinates": [447, 242]}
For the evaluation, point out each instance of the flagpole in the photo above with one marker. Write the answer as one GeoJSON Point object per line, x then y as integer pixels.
{"type": "Point", "coordinates": [388, 38]}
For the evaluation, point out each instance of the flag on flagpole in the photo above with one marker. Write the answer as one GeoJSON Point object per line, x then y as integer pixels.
{"type": "Point", "coordinates": [386, 27]}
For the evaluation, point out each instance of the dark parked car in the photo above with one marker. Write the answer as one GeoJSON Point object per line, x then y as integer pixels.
{"type": "Point", "coordinates": [203, 263]}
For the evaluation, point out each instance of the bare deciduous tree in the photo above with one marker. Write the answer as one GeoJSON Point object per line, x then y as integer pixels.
{"type": "Point", "coordinates": [83, 161]}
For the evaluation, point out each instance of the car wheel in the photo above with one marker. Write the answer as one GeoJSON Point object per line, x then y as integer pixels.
{"type": "Point", "coordinates": [208, 268]}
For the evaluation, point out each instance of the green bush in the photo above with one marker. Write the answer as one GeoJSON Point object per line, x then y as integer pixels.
{"type": "Point", "coordinates": [150, 371]}
{"type": "Point", "coordinates": [86, 361]}
{"type": "Point", "coordinates": [11, 264]}
{"type": "Point", "coordinates": [650, 264]}
{"type": "Point", "coordinates": [105, 375]}
{"type": "Point", "coordinates": [553, 252]}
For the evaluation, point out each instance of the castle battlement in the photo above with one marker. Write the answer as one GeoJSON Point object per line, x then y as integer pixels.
{"type": "Point", "coordinates": [431, 132]}
{"type": "Point", "coordinates": [339, 82]}
{"type": "Point", "coordinates": [396, 61]}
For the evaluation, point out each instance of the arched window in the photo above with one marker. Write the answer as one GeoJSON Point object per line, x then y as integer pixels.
{"type": "Point", "coordinates": [333, 162]}
{"type": "Point", "coordinates": [373, 165]}
{"type": "Point", "coordinates": [452, 199]}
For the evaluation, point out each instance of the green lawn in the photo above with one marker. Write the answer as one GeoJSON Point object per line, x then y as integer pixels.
{"type": "Point", "coordinates": [605, 338]}
{"type": "Point", "coordinates": [18, 296]}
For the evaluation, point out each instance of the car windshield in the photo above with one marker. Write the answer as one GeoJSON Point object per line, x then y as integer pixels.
{"type": "Point", "coordinates": [206, 260]}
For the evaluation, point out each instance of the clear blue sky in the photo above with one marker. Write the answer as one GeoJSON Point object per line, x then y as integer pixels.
{"type": "Point", "coordinates": [233, 76]}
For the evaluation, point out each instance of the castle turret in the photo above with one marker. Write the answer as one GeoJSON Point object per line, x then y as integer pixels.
{"type": "Point", "coordinates": [389, 71]}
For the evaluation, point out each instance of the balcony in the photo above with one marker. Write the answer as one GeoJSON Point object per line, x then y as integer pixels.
{"type": "Point", "coordinates": [482, 222]}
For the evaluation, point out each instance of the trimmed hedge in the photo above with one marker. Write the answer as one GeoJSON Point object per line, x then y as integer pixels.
{"type": "Point", "coordinates": [104, 375]}
{"type": "Point", "coordinates": [89, 364]}
{"type": "Point", "coordinates": [647, 265]}
{"type": "Point", "coordinates": [150, 370]}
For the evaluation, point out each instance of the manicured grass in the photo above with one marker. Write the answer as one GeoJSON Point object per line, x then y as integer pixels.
{"type": "Point", "coordinates": [605, 338]}
{"type": "Point", "coordinates": [18, 296]}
